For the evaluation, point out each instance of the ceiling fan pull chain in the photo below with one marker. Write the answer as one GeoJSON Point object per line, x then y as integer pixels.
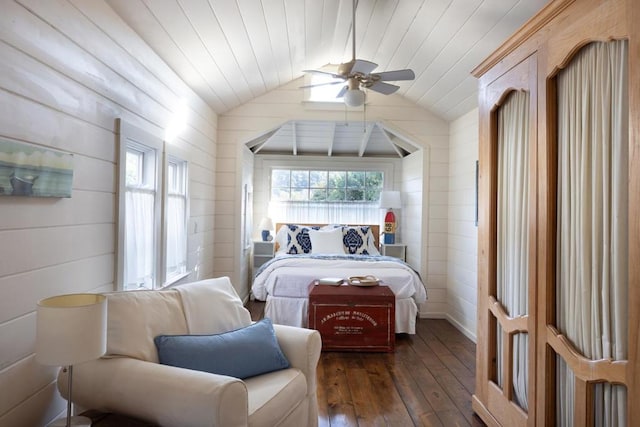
{"type": "Point", "coordinates": [364, 114]}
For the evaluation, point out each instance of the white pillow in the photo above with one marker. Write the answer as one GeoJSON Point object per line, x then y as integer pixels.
{"type": "Point", "coordinates": [326, 241]}
{"type": "Point", "coordinates": [281, 239]}
{"type": "Point", "coordinates": [371, 246]}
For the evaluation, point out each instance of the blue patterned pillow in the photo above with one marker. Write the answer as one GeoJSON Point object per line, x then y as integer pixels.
{"type": "Point", "coordinates": [356, 239]}
{"type": "Point", "coordinates": [298, 240]}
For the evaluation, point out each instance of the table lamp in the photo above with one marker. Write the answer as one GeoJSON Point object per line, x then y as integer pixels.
{"type": "Point", "coordinates": [71, 329]}
{"type": "Point", "coordinates": [390, 200]}
{"type": "Point", "coordinates": [266, 225]}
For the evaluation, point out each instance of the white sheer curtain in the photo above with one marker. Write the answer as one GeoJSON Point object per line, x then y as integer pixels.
{"type": "Point", "coordinates": [139, 243]}
{"type": "Point", "coordinates": [325, 212]}
{"type": "Point", "coordinates": [513, 230]}
{"type": "Point", "coordinates": [592, 228]}
{"type": "Point", "coordinates": [176, 234]}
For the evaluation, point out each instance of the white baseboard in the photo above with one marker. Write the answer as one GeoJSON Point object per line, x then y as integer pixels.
{"type": "Point", "coordinates": [471, 335]}
{"type": "Point", "coordinates": [433, 315]}
{"type": "Point", "coordinates": [437, 315]}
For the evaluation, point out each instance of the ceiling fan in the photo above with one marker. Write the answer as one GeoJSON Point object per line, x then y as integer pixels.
{"type": "Point", "coordinates": [357, 74]}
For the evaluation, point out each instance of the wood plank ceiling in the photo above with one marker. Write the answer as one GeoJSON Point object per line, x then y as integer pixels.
{"type": "Point", "coordinates": [231, 51]}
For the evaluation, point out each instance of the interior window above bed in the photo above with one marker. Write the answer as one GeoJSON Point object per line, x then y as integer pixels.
{"type": "Point", "coordinates": [326, 196]}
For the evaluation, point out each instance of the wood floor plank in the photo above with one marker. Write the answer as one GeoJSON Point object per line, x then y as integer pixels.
{"type": "Point", "coordinates": [387, 396]}
{"type": "Point", "coordinates": [321, 390]}
{"type": "Point", "coordinates": [339, 401]}
{"type": "Point", "coordinates": [428, 381]}
{"type": "Point", "coordinates": [419, 408]}
{"type": "Point", "coordinates": [368, 409]}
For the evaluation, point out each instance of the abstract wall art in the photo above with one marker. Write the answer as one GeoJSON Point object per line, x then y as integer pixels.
{"type": "Point", "coordinates": [34, 171]}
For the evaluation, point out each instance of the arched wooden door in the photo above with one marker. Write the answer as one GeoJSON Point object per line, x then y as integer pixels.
{"type": "Point", "coordinates": [505, 374]}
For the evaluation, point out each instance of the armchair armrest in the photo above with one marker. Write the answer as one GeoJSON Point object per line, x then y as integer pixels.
{"type": "Point", "coordinates": [302, 348]}
{"type": "Point", "coordinates": [165, 395]}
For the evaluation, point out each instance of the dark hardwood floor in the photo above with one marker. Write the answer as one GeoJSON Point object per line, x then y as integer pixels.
{"type": "Point", "coordinates": [427, 381]}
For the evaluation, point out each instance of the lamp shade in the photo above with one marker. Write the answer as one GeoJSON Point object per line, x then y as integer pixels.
{"type": "Point", "coordinates": [266, 224]}
{"type": "Point", "coordinates": [390, 200]}
{"type": "Point", "coordinates": [354, 98]}
{"type": "Point", "coordinates": [71, 329]}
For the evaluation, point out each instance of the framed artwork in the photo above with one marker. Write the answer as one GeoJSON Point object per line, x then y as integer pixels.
{"type": "Point", "coordinates": [33, 171]}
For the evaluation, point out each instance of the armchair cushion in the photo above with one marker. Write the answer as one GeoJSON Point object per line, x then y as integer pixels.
{"type": "Point", "coordinates": [136, 317]}
{"type": "Point", "coordinates": [212, 306]}
{"type": "Point", "coordinates": [242, 353]}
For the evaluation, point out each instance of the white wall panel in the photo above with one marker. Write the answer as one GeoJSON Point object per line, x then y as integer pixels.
{"type": "Point", "coordinates": [462, 233]}
{"type": "Point", "coordinates": [69, 69]}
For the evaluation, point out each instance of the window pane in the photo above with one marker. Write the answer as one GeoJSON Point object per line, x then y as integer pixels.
{"type": "Point", "coordinates": [355, 179]}
{"type": "Point", "coordinates": [139, 240]}
{"type": "Point", "coordinates": [337, 179]}
{"type": "Point", "coordinates": [372, 194]}
{"type": "Point", "coordinates": [280, 178]}
{"type": "Point", "coordinates": [299, 194]}
{"type": "Point", "coordinates": [355, 194]}
{"type": "Point", "coordinates": [330, 186]}
{"type": "Point", "coordinates": [300, 179]}
{"type": "Point", "coordinates": [172, 178]}
{"type": "Point", "coordinates": [318, 179]}
{"type": "Point", "coordinates": [133, 169]}
{"type": "Point", "coordinates": [374, 179]}
{"type": "Point", "coordinates": [176, 255]}
{"type": "Point", "coordinates": [280, 194]}
{"type": "Point", "coordinates": [336, 194]}
{"type": "Point", "coordinates": [318, 195]}
{"type": "Point", "coordinates": [326, 93]}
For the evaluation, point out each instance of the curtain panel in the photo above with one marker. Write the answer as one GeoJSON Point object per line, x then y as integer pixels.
{"type": "Point", "coordinates": [513, 231]}
{"type": "Point", "coordinates": [592, 263]}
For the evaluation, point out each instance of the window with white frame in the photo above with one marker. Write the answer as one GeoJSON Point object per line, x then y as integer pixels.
{"type": "Point", "coordinates": [176, 204]}
{"type": "Point", "coordinates": [153, 212]}
{"type": "Point", "coordinates": [325, 92]}
{"type": "Point", "coordinates": [325, 196]}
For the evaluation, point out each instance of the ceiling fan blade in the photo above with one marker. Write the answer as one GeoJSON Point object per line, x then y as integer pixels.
{"type": "Point", "coordinates": [342, 91]}
{"type": "Point", "coordinates": [363, 67]}
{"type": "Point", "coordinates": [326, 73]}
{"type": "Point", "coordinates": [384, 88]}
{"type": "Point", "coordinates": [396, 75]}
{"type": "Point", "coordinates": [322, 84]}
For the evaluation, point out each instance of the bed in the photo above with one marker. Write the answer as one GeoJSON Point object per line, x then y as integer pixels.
{"type": "Point", "coordinates": [305, 252]}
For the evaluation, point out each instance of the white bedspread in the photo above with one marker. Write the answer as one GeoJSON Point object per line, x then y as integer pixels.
{"type": "Point", "coordinates": [290, 276]}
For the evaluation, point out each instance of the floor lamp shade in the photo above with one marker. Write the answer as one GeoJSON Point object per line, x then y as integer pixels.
{"type": "Point", "coordinates": [71, 329]}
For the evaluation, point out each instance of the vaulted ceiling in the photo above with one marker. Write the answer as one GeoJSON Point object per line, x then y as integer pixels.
{"type": "Point", "coordinates": [231, 51]}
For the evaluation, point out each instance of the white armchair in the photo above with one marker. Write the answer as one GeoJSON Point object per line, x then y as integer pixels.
{"type": "Point", "coordinates": [129, 380]}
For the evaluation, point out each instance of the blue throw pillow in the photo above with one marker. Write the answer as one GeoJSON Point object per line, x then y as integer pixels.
{"type": "Point", "coordinates": [242, 353]}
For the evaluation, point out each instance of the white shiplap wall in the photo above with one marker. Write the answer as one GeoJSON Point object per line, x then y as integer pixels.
{"type": "Point", "coordinates": [68, 70]}
{"type": "Point", "coordinates": [462, 250]}
{"type": "Point", "coordinates": [286, 103]}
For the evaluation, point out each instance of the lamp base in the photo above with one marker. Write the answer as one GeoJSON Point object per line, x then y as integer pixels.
{"type": "Point", "coordinates": [75, 421]}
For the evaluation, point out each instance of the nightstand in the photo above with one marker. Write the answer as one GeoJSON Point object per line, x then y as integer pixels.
{"type": "Point", "coordinates": [262, 252]}
{"type": "Point", "coordinates": [396, 250]}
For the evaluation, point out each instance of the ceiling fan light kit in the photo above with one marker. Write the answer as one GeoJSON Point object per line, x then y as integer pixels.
{"type": "Point", "coordinates": [358, 73]}
{"type": "Point", "coordinates": [354, 98]}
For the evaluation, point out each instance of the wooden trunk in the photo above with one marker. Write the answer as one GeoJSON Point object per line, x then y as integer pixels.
{"type": "Point", "coordinates": [353, 318]}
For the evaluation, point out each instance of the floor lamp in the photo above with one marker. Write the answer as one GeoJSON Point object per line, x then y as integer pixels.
{"type": "Point", "coordinates": [71, 329]}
